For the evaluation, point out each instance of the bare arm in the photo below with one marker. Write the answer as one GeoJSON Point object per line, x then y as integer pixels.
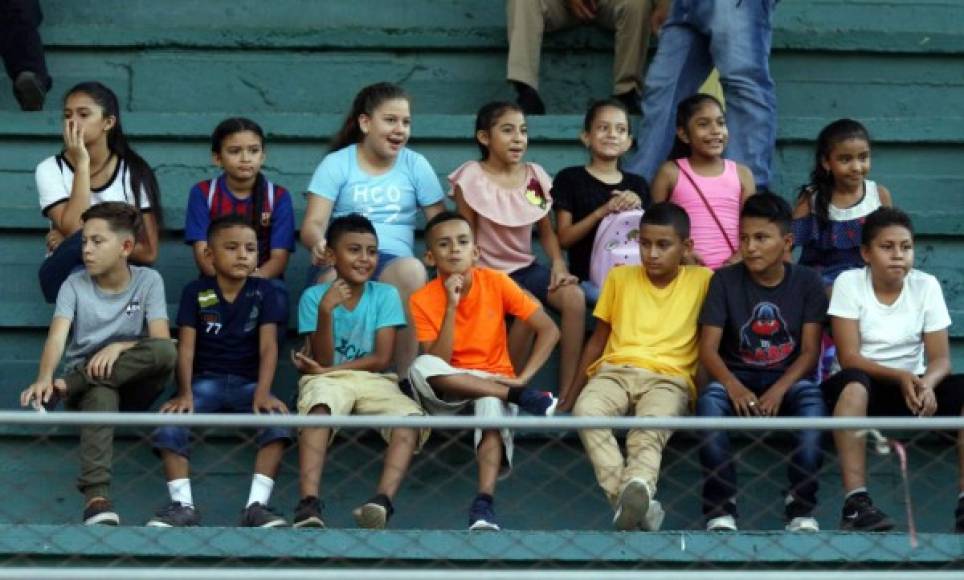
{"type": "Point", "coordinates": [186, 344]}
{"type": "Point", "coordinates": [43, 388]}
{"type": "Point", "coordinates": [442, 345]}
{"type": "Point", "coordinates": [802, 209]}
{"type": "Point", "coordinates": [375, 362]}
{"type": "Point", "coordinates": [433, 210]}
{"type": "Point", "coordinates": [590, 353]}
{"type": "Point", "coordinates": [886, 199]}
{"type": "Point", "coordinates": [322, 340]}
{"type": "Point", "coordinates": [464, 209]}
{"type": "Point", "coordinates": [664, 183]}
{"type": "Point", "coordinates": [547, 335]}
{"type": "Point", "coordinates": [66, 216]}
{"type": "Point", "coordinates": [275, 265]}
{"type": "Point", "coordinates": [771, 400]}
{"type": "Point", "coordinates": [313, 227]}
{"type": "Point", "coordinates": [938, 356]}
{"type": "Point", "coordinates": [747, 183]}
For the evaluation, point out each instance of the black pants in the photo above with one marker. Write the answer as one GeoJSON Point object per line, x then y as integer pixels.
{"type": "Point", "coordinates": [20, 44]}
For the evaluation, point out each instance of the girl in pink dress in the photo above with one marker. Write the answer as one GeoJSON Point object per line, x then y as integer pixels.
{"type": "Point", "coordinates": [503, 197]}
{"type": "Point", "coordinates": [697, 178]}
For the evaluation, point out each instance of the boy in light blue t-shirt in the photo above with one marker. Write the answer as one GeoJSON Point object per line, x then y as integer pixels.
{"type": "Point", "coordinates": [351, 325]}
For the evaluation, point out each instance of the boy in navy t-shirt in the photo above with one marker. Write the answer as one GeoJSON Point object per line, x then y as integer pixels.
{"type": "Point", "coordinates": [227, 355]}
{"type": "Point", "coordinates": [760, 338]}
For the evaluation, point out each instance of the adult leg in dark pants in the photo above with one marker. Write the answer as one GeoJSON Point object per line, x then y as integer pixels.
{"type": "Point", "coordinates": [23, 52]}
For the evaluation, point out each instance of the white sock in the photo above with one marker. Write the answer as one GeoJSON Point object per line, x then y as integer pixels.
{"type": "Point", "coordinates": [180, 490]}
{"type": "Point", "coordinates": [856, 490]}
{"type": "Point", "coordinates": [261, 486]}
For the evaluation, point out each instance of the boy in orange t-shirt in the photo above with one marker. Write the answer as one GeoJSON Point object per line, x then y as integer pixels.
{"type": "Point", "coordinates": [460, 324]}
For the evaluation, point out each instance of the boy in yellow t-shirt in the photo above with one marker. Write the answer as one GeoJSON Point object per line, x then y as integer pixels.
{"type": "Point", "coordinates": [641, 359]}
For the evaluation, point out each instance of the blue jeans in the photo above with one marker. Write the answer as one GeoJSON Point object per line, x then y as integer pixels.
{"type": "Point", "coordinates": [735, 36]}
{"type": "Point", "coordinates": [64, 261]}
{"type": "Point", "coordinates": [217, 394]}
{"type": "Point", "coordinates": [803, 399]}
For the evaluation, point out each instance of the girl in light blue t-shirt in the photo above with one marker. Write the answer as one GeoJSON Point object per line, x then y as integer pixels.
{"type": "Point", "coordinates": [370, 171]}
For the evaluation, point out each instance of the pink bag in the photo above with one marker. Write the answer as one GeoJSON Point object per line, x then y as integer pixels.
{"type": "Point", "coordinates": [616, 244]}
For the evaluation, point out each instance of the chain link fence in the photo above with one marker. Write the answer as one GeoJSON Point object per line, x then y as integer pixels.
{"type": "Point", "coordinates": [556, 520]}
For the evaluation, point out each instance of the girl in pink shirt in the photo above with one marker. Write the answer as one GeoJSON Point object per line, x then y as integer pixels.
{"type": "Point", "coordinates": [697, 178]}
{"type": "Point", "coordinates": [502, 197]}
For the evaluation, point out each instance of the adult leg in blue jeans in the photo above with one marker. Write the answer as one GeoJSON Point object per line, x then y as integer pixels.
{"type": "Point", "coordinates": [735, 36]}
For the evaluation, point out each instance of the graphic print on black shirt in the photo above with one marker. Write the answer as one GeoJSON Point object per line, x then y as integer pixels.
{"type": "Point", "coordinates": [765, 340]}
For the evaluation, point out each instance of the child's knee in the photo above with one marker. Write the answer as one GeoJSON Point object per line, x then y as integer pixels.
{"type": "Point", "coordinates": [321, 409]}
{"type": "Point", "coordinates": [408, 274]}
{"type": "Point", "coordinates": [853, 399]}
{"type": "Point", "coordinates": [573, 298]}
{"type": "Point", "coordinates": [173, 439]}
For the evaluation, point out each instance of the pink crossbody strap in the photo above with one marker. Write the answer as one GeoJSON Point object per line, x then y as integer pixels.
{"type": "Point", "coordinates": [709, 207]}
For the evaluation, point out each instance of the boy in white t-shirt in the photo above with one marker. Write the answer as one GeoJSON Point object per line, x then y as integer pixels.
{"type": "Point", "coordinates": [887, 320]}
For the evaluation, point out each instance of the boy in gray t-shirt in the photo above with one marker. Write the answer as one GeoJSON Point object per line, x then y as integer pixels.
{"type": "Point", "coordinates": [120, 355]}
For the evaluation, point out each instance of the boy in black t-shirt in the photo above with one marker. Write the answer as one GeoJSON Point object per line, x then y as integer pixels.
{"type": "Point", "coordinates": [226, 360]}
{"type": "Point", "coordinates": [760, 339]}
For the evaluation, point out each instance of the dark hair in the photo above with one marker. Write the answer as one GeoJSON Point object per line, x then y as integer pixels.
{"type": "Point", "coordinates": [142, 176]}
{"type": "Point", "coordinates": [486, 118]}
{"type": "Point", "coordinates": [259, 190]}
{"type": "Point", "coordinates": [442, 217]}
{"type": "Point", "coordinates": [366, 101]}
{"type": "Point", "coordinates": [685, 111]}
{"type": "Point", "coordinates": [821, 180]}
{"type": "Point", "coordinates": [599, 105]}
{"type": "Point", "coordinates": [771, 207]}
{"type": "Point", "coordinates": [224, 222]}
{"type": "Point", "coordinates": [120, 217]}
{"type": "Point", "coordinates": [353, 223]}
{"type": "Point", "coordinates": [667, 213]}
{"type": "Point", "coordinates": [881, 218]}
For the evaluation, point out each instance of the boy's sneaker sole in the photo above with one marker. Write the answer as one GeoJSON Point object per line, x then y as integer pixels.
{"type": "Point", "coordinates": [484, 526]}
{"type": "Point", "coordinates": [103, 519]}
{"type": "Point", "coordinates": [803, 524]}
{"type": "Point", "coordinates": [654, 517]}
{"type": "Point", "coordinates": [312, 522]}
{"type": "Point", "coordinates": [722, 524]}
{"type": "Point", "coordinates": [884, 525]}
{"type": "Point", "coordinates": [632, 506]}
{"type": "Point", "coordinates": [371, 516]}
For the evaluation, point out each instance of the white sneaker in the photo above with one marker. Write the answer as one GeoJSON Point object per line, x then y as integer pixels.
{"type": "Point", "coordinates": [632, 506]}
{"type": "Point", "coordinates": [725, 523]}
{"type": "Point", "coordinates": [803, 524]}
{"type": "Point", "coordinates": [654, 517]}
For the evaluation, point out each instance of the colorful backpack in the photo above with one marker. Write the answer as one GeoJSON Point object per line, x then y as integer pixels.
{"type": "Point", "coordinates": [616, 244]}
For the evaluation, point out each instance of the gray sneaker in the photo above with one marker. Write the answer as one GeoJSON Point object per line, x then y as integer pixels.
{"type": "Point", "coordinates": [258, 515]}
{"type": "Point", "coordinates": [175, 515]}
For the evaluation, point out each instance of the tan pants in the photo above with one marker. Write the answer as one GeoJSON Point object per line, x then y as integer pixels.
{"type": "Point", "coordinates": [623, 390]}
{"type": "Point", "coordinates": [527, 20]}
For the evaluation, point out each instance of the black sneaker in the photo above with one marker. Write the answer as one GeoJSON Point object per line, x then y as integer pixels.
{"type": "Point", "coordinates": [536, 402]}
{"type": "Point", "coordinates": [799, 515]}
{"type": "Point", "coordinates": [258, 515]}
{"type": "Point", "coordinates": [482, 514]}
{"type": "Point", "coordinates": [959, 516]}
{"type": "Point", "coordinates": [374, 513]}
{"type": "Point", "coordinates": [528, 99]}
{"type": "Point", "coordinates": [308, 513]}
{"type": "Point", "coordinates": [175, 515]}
{"type": "Point", "coordinates": [101, 512]}
{"type": "Point", "coordinates": [860, 514]}
{"type": "Point", "coordinates": [30, 91]}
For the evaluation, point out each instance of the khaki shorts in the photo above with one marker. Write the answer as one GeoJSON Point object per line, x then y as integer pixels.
{"type": "Point", "coordinates": [427, 366]}
{"type": "Point", "coordinates": [350, 392]}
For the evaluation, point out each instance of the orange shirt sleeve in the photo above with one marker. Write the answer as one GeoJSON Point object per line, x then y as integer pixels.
{"type": "Point", "coordinates": [514, 300]}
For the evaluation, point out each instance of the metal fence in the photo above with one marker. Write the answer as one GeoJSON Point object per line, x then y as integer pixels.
{"type": "Point", "coordinates": [556, 521]}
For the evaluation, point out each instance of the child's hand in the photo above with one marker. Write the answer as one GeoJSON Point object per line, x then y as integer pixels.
{"type": "Point", "coordinates": [74, 147]}
{"type": "Point", "coordinates": [744, 401]}
{"type": "Point", "coordinates": [561, 277]}
{"type": "Point", "coordinates": [101, 365]}
{"type": "Point", "coordinates": [179, 404]}
{"type": "Point", "coordinates": [305, 364]}
{"type": "Point", "coordinates": [40, 393]}
{"type": "Point", "coordinates": [453, 289]}
{"type": "Point", "coordinates": [318, 257]}
{"type": "Point", "coordinates": [54, 238]}
{"type": "Point", "coordinates": [565, 405]}
{"type": "Point", "coordinates": [268, 403]}
{"type": "Point", "coordinates": [625, 200]}
{"type": "Point", "coordinates": [769, 405]}
{"type": "Point", "coordinates": [928, 402]}
{"type": "Point", "coordinates": [337, 293]}
{"type": "Point", "coordinates": [910, 385]}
